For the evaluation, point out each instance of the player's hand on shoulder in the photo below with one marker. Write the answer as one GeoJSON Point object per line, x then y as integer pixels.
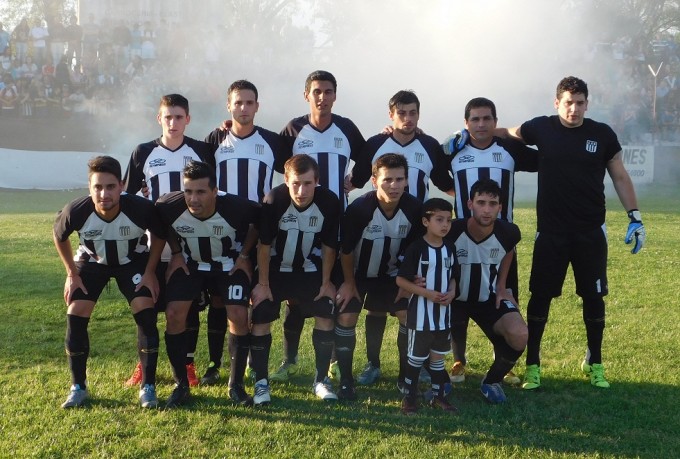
{"type": "Point", "coordinates": [636, 231]}
{"type": "Point", "coordinates": [225, 126]}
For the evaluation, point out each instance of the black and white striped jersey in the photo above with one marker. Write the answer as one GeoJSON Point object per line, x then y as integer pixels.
{"type": "Point", "coordinates": [161, 168]}
{"type": "Point", "coordinates": [296, 235]}
{"type": "Point", "coordinates": [426, 160]}
{"type": "Point", "coordinates": [245, 166]}
{"type": "Point", "coordinates": [214, 243]}
{"type": "Point", "coordinates": [479, 262]}
{"type": "Point", "coordinates": [436, 266]}
{"type": "Point", "coordinates": [377, 241]}
{"type": "Point", "coordinates": [499, 162]}
{"type": "Point", "coordinates": [332, 148]}
{"type": "Point", "coordinates": [112, 243]}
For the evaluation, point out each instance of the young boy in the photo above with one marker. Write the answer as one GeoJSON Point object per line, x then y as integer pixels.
{"type": "Point", "coordinates": [428, 317]}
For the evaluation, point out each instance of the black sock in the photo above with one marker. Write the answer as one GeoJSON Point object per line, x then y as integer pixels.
{"type": "Point", "coordinates": [239, 347]}
{"type": "Point", "coordinates": [148, 341]}
{"type": "Point", "coordinates": [323, 347]}
{"type": "Point", "coordinates": [593, 317]}
{"type": "Point", "coordinates": [292, 330]}
{"type": "Point", "coordinates": [217, 330]}
{"type": "Point", "coordinates": [375, 329]}
{"type": "Point", "coordinates": [402, 344]}
{"type": "Point", "coordinates": [77, 345]}
{"type": "Point", "coordinates": [537, 317]}
{"type": "Point", "coordinates": [191, 333]}
{"type": "Point", "coordinates": [410, 376]}
{"type": "Point", "coordinates": [439, 377]}
{"type": "Point", "coordinates": [505, 358]}
{"type": "Point", "coordinates": [459, 340]}
{"type": "Point", "coordinates": [345, 342]}
{"type": "Point", "coordinates": [259, 351]}
{"type": "Point", "coordinates": [175, 346]}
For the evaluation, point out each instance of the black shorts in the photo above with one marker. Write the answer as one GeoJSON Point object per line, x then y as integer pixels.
{"type": "Point", "coordinates": [422, 342]}
{"type": "Point", "coordinates": [301, 289]}
{"type": "Point", "coordinates": [96, 276]}
{"type": "Point", "coordinates": [235, 289]}
{"type": "Point", "coordinates": [484, 314]}
{"type": "Point", "coordinates": [587, 253]}
{"type": "Point", "coordinates": [379, 295]}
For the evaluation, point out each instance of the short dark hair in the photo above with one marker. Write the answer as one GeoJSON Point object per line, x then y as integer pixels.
{"type": "Point", "coordinates": [572, 85]}
{"type": "Point", "coordinates": [485, 186]}
{"type": "Point", "coordinates": [196, 170]}
{"type": "Point", "coordinates": [480, 102]}
{"type": "Point", "coordinates": [174, 100]}
{"type": "Point", "coordinates": [403, 97]}
{"type": "Point", "coordinates": [433, 205]}
{"type": "Point", "coordinates": [320, 75]}
{"type": "Point", "coordinates": [301, 164]}
{"type": "Point", "coordinates": [240, 85]}
{"type": "Point", "coordinates": [390, 161]}
{"type": "Point", "coordinates": [104, 164]}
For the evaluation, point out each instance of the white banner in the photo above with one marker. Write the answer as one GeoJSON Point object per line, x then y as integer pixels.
{"type": "Point", "coordinates": [639, 162]}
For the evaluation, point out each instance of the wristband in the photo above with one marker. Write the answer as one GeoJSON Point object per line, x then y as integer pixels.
{"type": "Point", "coordinates": [243, 256]}
{"type": "Point", "coordinates": [264, 285]}
{"type": "Point", "coordinates": [635, 215]}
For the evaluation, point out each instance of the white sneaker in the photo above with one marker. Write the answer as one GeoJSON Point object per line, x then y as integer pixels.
{"type": "Point", "coordinates": [147, 396]}
{"type": "Point", "coordinates": [262, 395]}
{"type": "Point", "coordinates": [76, 397]}
{"type": "Point", "coordinates": [323, 390]}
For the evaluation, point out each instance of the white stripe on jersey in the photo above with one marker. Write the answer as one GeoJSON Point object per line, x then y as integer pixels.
{"type": "Point", "coordinates": [163, 169]}
{"type": "Point", "coordinates": [109, 243]}
{"type": "Point", "coordinates": [479, 264]}
{"type": "Point", "coordinates": [435, 266]}
{"type": "Point", "coordinates": [419, 164]}
{"type": "Point", "coordinates": [370, 254]}
{"type": "Point", "coordinates": [301, 230]}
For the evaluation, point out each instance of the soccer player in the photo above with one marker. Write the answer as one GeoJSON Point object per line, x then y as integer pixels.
{"type": "Point", "coordinates": [210, 226]}
{"type": "Point", "coordinates": [332, 141]}
{"type": "Point", "coordinates": [295, 257]}
{"type": "Point", "coordinates": [426, 159]}
{"type": "Point", "coordinates": [246, 156]}
{"type": "Point", "coordinates": [111, 227]}
{"type": "Point", "coordinates": [575, 152]}
{"type": "Point", "coordinates": [155, 168]}
{"type": "Point", "coordinates": [377, 228]}
{"type": "Point", "coordinates": [484, 251]}
{"type": "Point", "coordinates": [429, 309]}
{"type": "Point", "coordinates": [485, 156]}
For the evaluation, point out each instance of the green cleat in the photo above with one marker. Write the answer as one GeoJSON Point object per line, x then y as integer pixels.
{"type": "Point", "coordinates": [532, 377]}
{"type": "Point", "coordinates": [284, 372]}
{"type": "Point", "coordinates": [596, 374]}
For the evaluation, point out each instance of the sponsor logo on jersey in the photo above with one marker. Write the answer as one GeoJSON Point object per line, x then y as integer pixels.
{"type": "Point", "coordinates": [188, 159]}
{"type": "Point", "coordinates": [373, 229]}
{"type": "Point", "coordinates": [306, 143]}
{"type": "Point", "coordinates": [466, 159]}
{"type": "Point", "coordinates": [259, 149]}
{"type": "Point", "coordinates": [493, 253]}
{"type": "Point", "coordinates": [497, 156]}
{"type": "Point", "coordinates": [461, 253]}
{"type": "Point", "coordinates": [226, 149]}
{"type": "Point", "coordinates": [290, 218]}
{"type": "Point", "coordinates": [591, 146]}
{"type": "Point", "coordinates": [403, 229]}
{"type": "Point", "coordinates": [184, 229]}
{"type": "Point", "coordinates": [218, 230]}
{"type": "Point", "coordinates": [160, 162]}
{"type": "Point", "coordinates": [313, 220]}
{"type": "Point", "coordinates": [124, 231]}
{"type": "Point", "coordinates": [92, 233]}
{"type": "Point", "coordinates": [419, 157]}
{"type": "Point", "coordinates": [337, 142]}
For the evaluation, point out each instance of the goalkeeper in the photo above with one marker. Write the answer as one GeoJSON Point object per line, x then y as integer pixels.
{"type": "Point", "coordinates": [574, 153]}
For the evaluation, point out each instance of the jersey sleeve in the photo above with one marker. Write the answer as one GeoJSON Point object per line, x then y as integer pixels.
{"type": "Point", "coordinates": [332, 209]}
{"type": "Point", "coordinates": [526, 158]}
{"type": "Point", "coordinates": [441, 164]}
{"type": "Point", "coordinates": [281, 151]}
{"type": "Point", "coordinates": [529, 128]}
{"type": "Point", "coordinates": [355, 219]}
{"type": "Point", "coordinates": [290, 132]}
{"type": "Point", "coordinates": [361, 171]}
{"type": "Point", "coordinates": [409, 266]}
{"type": "Point", "coordinates": [134, 175]}
{"type": "Point", "coordinates": [269, 216]}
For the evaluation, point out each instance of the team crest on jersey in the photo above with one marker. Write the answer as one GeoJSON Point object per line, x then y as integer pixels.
{"type": "Point", "coordinates": [418, 156]}
{"type": "Point", "coordinates": [259, 149]}
{"type": "Point", "coordinates": [373, 229]}
{"type": "Point", "coordinates": [184, 229]}
{"type": "Point", "coordinates": [124, 231]}
{"type": "Point", "coordinates": [403, 229]}
{"type": "Point", "coordinates": [290, 218]}
{"type": "Point", "coordinates": [313, 220]}
{"type": "Point", "coordinates": [497, 156]}
{"type": "Point", "coordinates": [218, 230]}
{"type": "Point", "coordinates": [493, 253]}
{"type": "Point", "coordinates": [591, 146]}
{"type": "Point", "coordinates": [160, 162]}
{"type": "Point", "coordinates": [187, 160]}
{"type": "Point", "coordinates": [466, 159]}
{"type": "Point", "coordinates": [448, 262]}
{"type": "Point", "coordinates": [461, 253]}
{"type": "Point", "coordinates": [92, 233]}
{"type": "Point", "coordinates": [337, 141]}
{"type": "Point", "coordinates": [306, 143]}
{"type": "Point", "coordinates": [226, 149]}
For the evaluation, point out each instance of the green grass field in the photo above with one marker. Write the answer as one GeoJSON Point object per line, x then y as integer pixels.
{"type": "Point", "coordinates": [637, 417]}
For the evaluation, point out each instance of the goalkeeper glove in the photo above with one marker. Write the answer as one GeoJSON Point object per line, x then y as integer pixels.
{"type": "Point", "coordinates": [635, 229]}
{"type": "Point", "coordinates": [456, 142]}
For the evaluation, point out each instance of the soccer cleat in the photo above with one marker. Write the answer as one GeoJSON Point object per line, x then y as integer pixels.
{"type": "Point", "coordinates": [180, 395]}
{"type": "Point", "coordinates": [191, 375]}
{"type": "Point", "coordinates": [532, 377]}
{"type": "Point", "coordinates": [284, 372]}
{"type": "Point", "coordinates": [238, 395]}
{"type": "Point", "coordinates": [424, 377]}
{"type": "Point", "coordinates": [409, 406]}
{"type": "Point", "coordinates": [596, 374]}
{"type": "Point", "coordinates": [428, 395]}
{"type": "Point", "coordinates": [369, 375]}
{"type": "Point", "coordinates": [443, 404]}
{"type": "Point", "coordinates": [136, 378]}
{"type": "Point", "coordinates": [211, 376]}
{"type": "Point", "coordinates": [347, 391]}
{"type": "Point", "coordinates": [457, 372]}
{"type": "Point", "coordinates": [147, 396]}
{"type": "Point", "coordinates": [262, 394]}
{"type": "Point", "coordinates": [76, 397]}
{"type": "Point", "coordinates": [511, 379]}
{"type": "Point", "coordinates": [403, 390]}
{"type": "Point", "coordinates": [324, 391]}
{"type": "Point", "coordinates": [493, 393]}
{"type": "Point", "coordinates": [334, 371]}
